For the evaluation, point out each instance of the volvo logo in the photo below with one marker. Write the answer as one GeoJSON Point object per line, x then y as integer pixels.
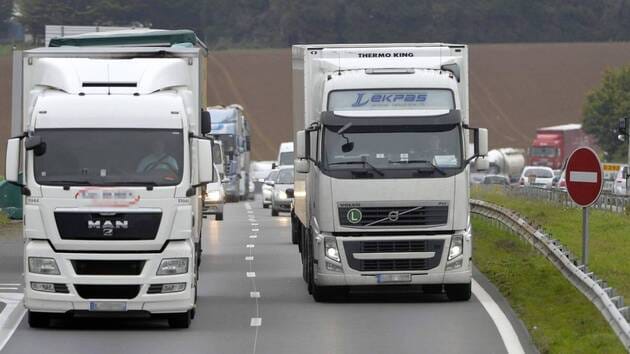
{"type": "Point", "coordinates": [108, 226]}
{"type": "Point", "coordinates": [393, 215]}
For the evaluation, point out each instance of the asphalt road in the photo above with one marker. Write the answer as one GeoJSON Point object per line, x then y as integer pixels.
{"type": "Point", "coordinates": [284, 318]}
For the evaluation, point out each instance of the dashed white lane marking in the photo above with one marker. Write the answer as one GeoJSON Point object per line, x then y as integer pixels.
{"type": "Point", "coordinates": [249, 258]}
{"type": "Point", "coordinates": [254, 294]}
{"type": "Point", "coordinates": [255, 321]}
{"type": "Point", "coordinates": [8, 288]}
{"type": "Point", "coordinates": [254, 224]}
{"type": "Point", "coordinates": [255, 230]}
{"type": "Point", "coordinates": [11, 316]}
{"type": "Point", "coordinates": [250, 245]}
{"type": "Point", "coordinates": [10, 284]}
{"type": "Point", "coordinates": [507, 332]}
{"type": "Point", "coordinates": [253, 236]}
{"type": "Point", "coordinates": [251, 274]}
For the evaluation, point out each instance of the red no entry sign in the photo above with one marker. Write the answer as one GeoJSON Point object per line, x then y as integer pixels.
{"type": "Point", "coordinates": [584, 176]}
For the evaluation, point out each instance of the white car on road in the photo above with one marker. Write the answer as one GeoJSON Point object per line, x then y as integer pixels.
{"type": "Point", "coordinates": [537, 176]}
{"type": "Point", "coordinates": [621, 182]}
{"type": "Point", "coordinates": [267, 188]}
{"type": "Point", "coordinates": [214, 197]}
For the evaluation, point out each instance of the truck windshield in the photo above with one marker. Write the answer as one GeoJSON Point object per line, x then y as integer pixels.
{"type": "Point", "coordinates": [394, 151]}
{"type": "Point", "coordinates": [543, 151]}
{"type": "Point", "coordinates": [286, 158]}
{"type": "Point", "coordinates": [110, 157]}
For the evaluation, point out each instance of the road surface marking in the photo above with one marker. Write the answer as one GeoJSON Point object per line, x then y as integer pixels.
{"type": "Point", "coordinates": [255, 230]}
{"type": "Point", "coordinates": [251, 274]}
{"type": "Point", "coordinates": [503, 324]}
{"type": "Point", "coordinates": [250, 245]}
{"type": "Point", "coordinates": [10, 284]}
{"type": "Point", "coordinates": [254, 294]}
{"type": "Point", "coordinates": [249, 258]}
{"type": "Point", "coordinates": [579, 176]}
{"type": "Point", "coordinates": [255, 322]}
{"type": "Point", "coordinates": [11, 316]}
{"type": "Point", "coordinates": [253, 236]}
{"type": "Point", "coordinates": [8, 288]}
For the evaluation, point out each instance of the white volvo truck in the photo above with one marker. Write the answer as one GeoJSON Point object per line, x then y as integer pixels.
{"type": "Point", "coordinates": [114, 161]}
{"type": "Point", "coordinates": [381, 183]}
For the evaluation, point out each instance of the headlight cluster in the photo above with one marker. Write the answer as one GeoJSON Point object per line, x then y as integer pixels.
{"type": "Point", "coordinates": [172, 266]}
{"type": "Point", "coordinates": [330, 247]}
{"type": "Point", "coordinates": [41, 265]}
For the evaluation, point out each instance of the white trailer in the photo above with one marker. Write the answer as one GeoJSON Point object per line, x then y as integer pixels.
{"type": "Point", "coordinates": [114, 164]}
{"type": "Point", "coordinates": [381, 183]}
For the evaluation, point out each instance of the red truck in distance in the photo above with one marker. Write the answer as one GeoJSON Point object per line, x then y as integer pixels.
{"type": "Point", "coordinates": [553, 145]}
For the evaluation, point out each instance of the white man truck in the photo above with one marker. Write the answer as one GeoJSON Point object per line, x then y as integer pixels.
{"type": "Point", "coordinates": [381, 183]}
{"type": "Point", "coordinates": [114, 164]}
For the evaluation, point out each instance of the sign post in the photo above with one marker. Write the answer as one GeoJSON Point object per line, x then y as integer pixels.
{"type": "Point", "coordinates": [584, 183]}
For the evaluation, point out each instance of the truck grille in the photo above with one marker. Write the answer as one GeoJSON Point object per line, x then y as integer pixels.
{"type": "Point", "coordinates": [114, 267]}
{"type": "Point", "coordinates": [105, 226]}
{"type": "Point", "coordinates": [386, 265]}
{"type": "Point", "coordinates": [393, 216]}
{"type": "Point", "coordinates": [88, 291]}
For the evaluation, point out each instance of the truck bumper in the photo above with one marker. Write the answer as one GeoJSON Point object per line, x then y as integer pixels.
{"type": "Point", "coordinates": [157, 303]}
{"type": "Point", "coordinates": [331, 273]}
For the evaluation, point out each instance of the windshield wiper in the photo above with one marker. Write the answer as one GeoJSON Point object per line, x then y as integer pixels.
{"type": "Point", "coordinates": [148, 184]}
{"type": "Point", "coordinates": [426, 162]}
{"type": "Point", "coordinates": [363, 161]}
{"type": "Point", "coordinates": [66, 184]}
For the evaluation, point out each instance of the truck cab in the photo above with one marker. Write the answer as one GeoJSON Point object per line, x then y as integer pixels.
{"type": "Point", "coordinates": [381, 184]}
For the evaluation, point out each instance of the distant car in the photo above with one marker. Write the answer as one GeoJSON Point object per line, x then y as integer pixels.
{"type": "Point", "coordinates": [282, 195]}
{"type": "Point", "coordinates": [621, 182]}
{"type": "Point", "coordinates": [496, 179]}
{"type": "Point", "coordinates": [258, 171]}
{"type": "Point", "coordinates": [214, 197]}
{"type": "Point", "coordinates": [476, 178]}
{"type": "Point", "coordinates": [267, 188]}
{"type": "Point", "coordinates": [537, 176]}
{"type": "Point", "coordinates": [561, 182]}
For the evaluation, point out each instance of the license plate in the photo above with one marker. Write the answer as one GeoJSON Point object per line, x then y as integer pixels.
{"type": "Point", "coordinates": [108, 306]}
{"type": "Point", "coordinates": [393, 278]}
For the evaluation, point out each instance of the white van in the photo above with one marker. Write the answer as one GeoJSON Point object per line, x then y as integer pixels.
{"type": "Point", "coordinates": [285, 155]}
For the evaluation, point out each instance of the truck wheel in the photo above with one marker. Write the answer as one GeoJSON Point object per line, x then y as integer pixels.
{"type": "Point", "coordinates": [295, 230]}
{"type": "Point", "coordinates": [274, 212]}
{"type": "Point", "coordinates": [265, 206]}
{"type": "Point", "coordinates": [179, 320]}
{"type": "Point", "coordinates": [38, 319]}
{"type": "Point", "coordinates": [218, 217]}
{"type": "Point", "coordinates": [458, 292]}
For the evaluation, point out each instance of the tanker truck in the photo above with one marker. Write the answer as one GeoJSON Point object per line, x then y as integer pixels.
{"type": "Point", "coordinates": [506, 161]}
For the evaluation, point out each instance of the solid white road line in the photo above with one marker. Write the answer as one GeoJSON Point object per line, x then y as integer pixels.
{"type": "Point", "coordinates": [8, 288]}
{"type": "Point", "coordinates": [10, 284]}
{"type": "Point", "coordinates": [11, 316]}
{"type": "Point", "coordinates": [504, 326]}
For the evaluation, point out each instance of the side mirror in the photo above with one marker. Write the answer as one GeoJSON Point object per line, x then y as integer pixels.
{"type": "Point", "coordinates": [36, 144]}
{"type": "Point", "coordinates": [12, 163]}
{"type": "Point", "coordinates": [482, 164]}
{"type": "Point", "coordinates": [204, 153]}
{"type": "Point", "coordinates": [273, 166]}
{"type": "Point", "coordinates": [302, 166]}
{"type": "Point", "coordinates": [481, 142]}
{"type": "Point", "coordinates": [206, 122]}
{"type": "Point", "coordinates": [289, 192]}
{"type": "Point", "coordinates": [300, 148]}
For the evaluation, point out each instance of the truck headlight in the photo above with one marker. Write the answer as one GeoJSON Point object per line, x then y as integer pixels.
{"type": "Point", "coordinates": [457, 247]}
{"type": "Point", "coordinates": [172, 266]}
{"type": "Point", "coordinates": [41, 265]}
{"type": "Point", "coordinates": [330, 248]}
{"type": "Point", "coordinates": [214, 196]}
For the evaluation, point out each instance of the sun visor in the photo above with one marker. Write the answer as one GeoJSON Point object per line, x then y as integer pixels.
{"type": "Point", "coordinates": [331, 118]}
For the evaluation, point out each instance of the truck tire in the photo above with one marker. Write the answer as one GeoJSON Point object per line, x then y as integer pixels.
{"type": "Point", "coordinates": [274, 212]}
{"type": "Point", "coordinates": [295, 230]}
{"type": "Point", "coordinates": [38, 319]}
{"type": "Point", "coordinates": [265, 206]}
{"type": "Point", "coordinates": [179, 320]}
{"type": "Point", "coordinates": [218, 217]}
{"type": "Point", "coordinates": [458, 292]}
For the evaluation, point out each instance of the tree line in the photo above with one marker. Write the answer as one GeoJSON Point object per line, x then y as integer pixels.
{"type": "Point", "coordinates": [280, 23]}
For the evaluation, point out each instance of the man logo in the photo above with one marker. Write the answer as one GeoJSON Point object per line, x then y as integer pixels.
{"type": "Point", "coordinates": [354, 216]}
{"type": "Point", "coordinates": [108, 226]}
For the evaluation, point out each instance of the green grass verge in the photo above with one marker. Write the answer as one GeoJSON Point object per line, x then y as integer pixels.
{"type": "Point", "coordinates": [609, 244]}
{"type": "Point", "coordinates": [558, 317]}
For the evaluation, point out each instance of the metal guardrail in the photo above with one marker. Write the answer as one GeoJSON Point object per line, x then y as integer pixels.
{"type": "Point", "coordinates": [606, 201]}
{"type": "Point", "coordinates": [608, 302]}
